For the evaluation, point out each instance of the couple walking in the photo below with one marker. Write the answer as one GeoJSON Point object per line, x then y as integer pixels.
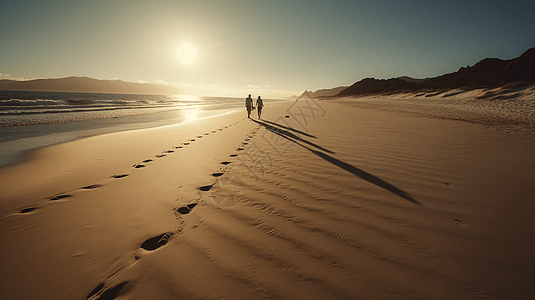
{"type": "Point", "coordinates": [249, 105]}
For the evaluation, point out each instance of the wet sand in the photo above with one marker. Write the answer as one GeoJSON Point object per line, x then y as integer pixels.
{"type": "Point", "coordinates": [331, 202]}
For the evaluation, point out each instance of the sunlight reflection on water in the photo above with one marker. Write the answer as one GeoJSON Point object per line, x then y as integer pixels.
{"type": "Point", "coordinates": [191, 114]}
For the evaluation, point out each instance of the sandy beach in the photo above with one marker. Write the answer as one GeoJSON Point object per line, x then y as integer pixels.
{"type": "Point", "coordinates": [334, 199]}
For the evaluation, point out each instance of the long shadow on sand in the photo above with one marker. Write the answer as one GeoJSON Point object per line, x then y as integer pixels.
{"type": "Point", "coordinates": [290, 128]}
{"type": "Point", "coordinates": [350, 168]}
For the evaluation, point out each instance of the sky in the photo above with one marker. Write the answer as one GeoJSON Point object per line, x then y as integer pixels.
{"type": "Point", "coordinates": [270, 48]}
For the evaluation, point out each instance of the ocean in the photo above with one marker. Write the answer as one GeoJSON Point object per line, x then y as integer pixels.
{"type": "Point", "coordinates": [31, 120]}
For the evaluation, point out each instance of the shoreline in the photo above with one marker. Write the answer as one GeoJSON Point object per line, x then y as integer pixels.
{"type": "Point", "coordinates": [25, 139]}
{"type": "Point", "coordinates": [346, 203]}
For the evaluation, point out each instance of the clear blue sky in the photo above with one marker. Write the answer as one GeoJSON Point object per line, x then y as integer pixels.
{"type": "Point", "coordinates": [274, 48]}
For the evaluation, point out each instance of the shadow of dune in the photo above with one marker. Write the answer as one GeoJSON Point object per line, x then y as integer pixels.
{"type": "Point", "coordinates": [455, 93]}
{"type": "Point", "coordinates": [349, 168]}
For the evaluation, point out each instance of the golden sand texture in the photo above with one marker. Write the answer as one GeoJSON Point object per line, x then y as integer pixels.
{"type": "Point", "coordinates": [317, 200]}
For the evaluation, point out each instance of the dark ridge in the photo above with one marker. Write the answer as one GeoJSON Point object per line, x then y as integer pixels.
{"type": "Point", "coordinates": [156, 242]}
{"type": "Point", "coordinates": [322, 93]}
{"type": "Point", "coordinates": [86, 84]}
{"type": "Point", "coordinates": [487, 73]}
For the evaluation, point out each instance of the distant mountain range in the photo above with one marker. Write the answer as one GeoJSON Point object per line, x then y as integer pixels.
{"type": "Point", "coordinates": [488, 73]}
{"type": "Point", "coordinates": [88, 85]}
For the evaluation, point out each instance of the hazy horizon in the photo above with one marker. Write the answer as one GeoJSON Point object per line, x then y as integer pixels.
{"type": "Point", "coordinates": [274, 49]}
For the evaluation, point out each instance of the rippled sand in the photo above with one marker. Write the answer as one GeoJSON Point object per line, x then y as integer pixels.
{"type": "Point", "coordinates": [317, 200]}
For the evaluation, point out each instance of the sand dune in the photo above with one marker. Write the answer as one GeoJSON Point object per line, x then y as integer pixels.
{"type": "Point", "coordinates": [318, 200]}
{"type": "Point", "coordinates": [509, 110]}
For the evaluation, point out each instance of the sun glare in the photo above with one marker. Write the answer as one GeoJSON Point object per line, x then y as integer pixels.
{"type": "Point", "coordinates": [187, 54]}
{"type": "Point", "coordinates": [191, 114]}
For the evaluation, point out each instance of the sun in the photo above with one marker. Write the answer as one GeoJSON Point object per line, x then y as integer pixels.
{"type": "Point", "coordinates": [187, 54]}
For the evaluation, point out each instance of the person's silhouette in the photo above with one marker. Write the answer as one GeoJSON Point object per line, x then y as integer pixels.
{"type": "Point", "coordinates": [259, 106]}
{"type": "Point", "coordinates": [249, 105]}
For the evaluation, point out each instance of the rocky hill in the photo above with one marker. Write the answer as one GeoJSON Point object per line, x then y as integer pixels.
{"type": "Point", "coordinates": [488, 73]}
{"type": "Point", "coordinates": [322, 93]}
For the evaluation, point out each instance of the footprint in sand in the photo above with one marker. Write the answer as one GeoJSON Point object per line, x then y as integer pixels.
{"type": "Point", "coordinates": [213, 131]}
{"type": "Point", "coordinates": [90, 187]}
{"type": "Point", "coordinates": [459, 223]}
{"type": "Point", "coordinates": [139, 166]}
{"type": "Point", "coordinates": [169, 151]}
{"type": "Point", "coordinates": [160, 156]}
{"type": "Point", "coordinates": [108, 294]}
{"type": "Point", "coordinates": [119, 176]}
{"type": "Point", "coordinates": [58, 197]}
{"type": "Point", "coordinates": [156, 242]}
{"type": "Point", "coordinates": [239, 149]}
{"type": "Point", "coordinates": [233, 155]}
{"type": "Point", "coordinates": [147, 160]}
{"type": "Point", "coordinates": [184, 210]}
{"type": "Point", "coordinates": [27, 210]}
{"type": "Point", "coordinates": [217, 174]}
{"type": "Point", "coordinates": [193, 140]}
{"type": "Point", "coordinates": [225, 162]}
{"type": "Point", "coordinates": [186, 144]}
{"type": "Point", "coordinates": [206, 188]}
{"type": "Point", "coordinates": [199, 137]}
